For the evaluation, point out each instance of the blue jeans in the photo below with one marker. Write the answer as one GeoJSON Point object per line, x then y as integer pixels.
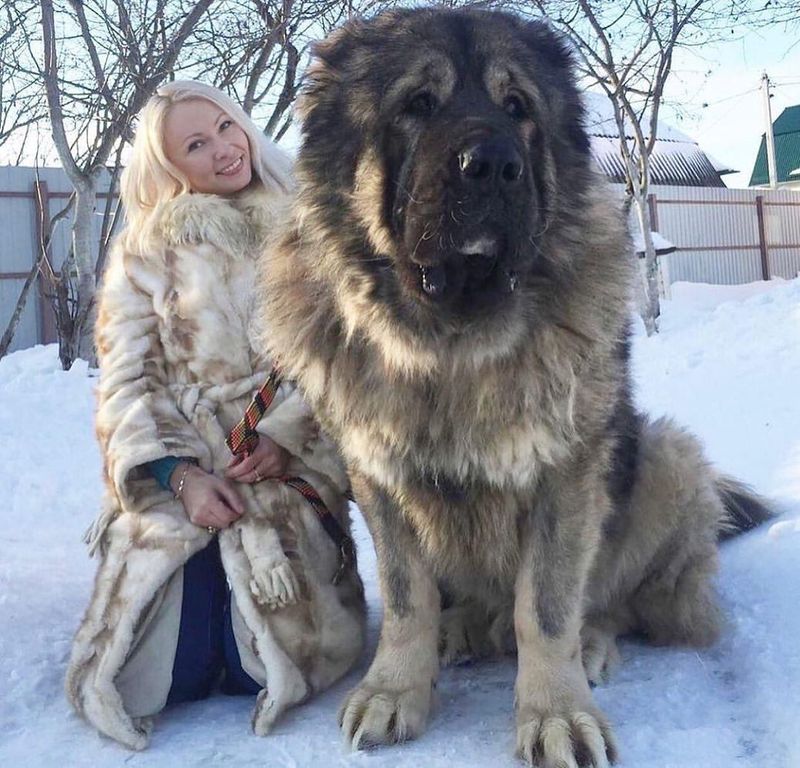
{"type": "Point", "coordinates": [206, 649]}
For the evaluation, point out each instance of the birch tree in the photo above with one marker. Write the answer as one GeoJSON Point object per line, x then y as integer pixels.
{"type": "Point", "coordinates": [627, 48]}
{"type": "Point", "coordinates": [129, 50]}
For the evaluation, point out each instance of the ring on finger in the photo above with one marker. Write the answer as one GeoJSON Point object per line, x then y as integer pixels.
{"type": "Point", "coordinates": [212, 530]}
{"type": "Point", "coordinates": [258, 476]}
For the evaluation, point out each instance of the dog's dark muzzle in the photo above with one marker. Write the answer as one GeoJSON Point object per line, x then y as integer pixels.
{"type": "Point", "coordinates": [491, 164]}
{"type": "Point", "coordinates": [469, 276]}
{"type": "Point", "coordinates": [465, 241]}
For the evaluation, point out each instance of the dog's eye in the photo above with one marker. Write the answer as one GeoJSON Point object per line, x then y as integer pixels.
{"type": "Point", "coordinates": [515, 107]}
{"type": "Point", "coordinates": [422, 105]}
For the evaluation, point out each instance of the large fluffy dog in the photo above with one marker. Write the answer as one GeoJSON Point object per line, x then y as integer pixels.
{"type": "Point", "coordinates": [453, 299]}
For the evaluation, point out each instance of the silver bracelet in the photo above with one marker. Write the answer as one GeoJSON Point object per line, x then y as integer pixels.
{"type": "Point", "coordinates": [186, 466]}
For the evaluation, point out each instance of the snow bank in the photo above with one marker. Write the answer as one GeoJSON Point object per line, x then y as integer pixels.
{"type": "Point", "coordinates": [727, 364]}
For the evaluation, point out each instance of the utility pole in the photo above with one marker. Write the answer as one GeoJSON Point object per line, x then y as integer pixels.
{"type": "Point", "coordinates": [769, 135]}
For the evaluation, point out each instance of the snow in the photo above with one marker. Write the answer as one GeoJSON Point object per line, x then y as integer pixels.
{"type": "Point", "coordinates": [727, 364]}
{"type": "Point", "coordinates": [660, 243]}
{"type": "Point", "coordinates": [600, 120]}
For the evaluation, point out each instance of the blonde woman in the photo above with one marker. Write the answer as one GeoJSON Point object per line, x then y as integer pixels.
{"type": "Point", "coordinates": [213, 571]}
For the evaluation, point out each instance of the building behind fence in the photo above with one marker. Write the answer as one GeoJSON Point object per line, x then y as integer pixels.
{"type": "Point", "coordinates": [722, 236]}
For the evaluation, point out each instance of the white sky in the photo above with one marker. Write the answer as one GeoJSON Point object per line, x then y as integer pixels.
{"type": "Point", "coordinates": [730, 127]}
{"type": "Point", "coordinates": [726, 77]}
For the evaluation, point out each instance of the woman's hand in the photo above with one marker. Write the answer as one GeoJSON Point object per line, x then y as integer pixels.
{"type": "Point", "coordinates": [268, 460]}
{"type": "Point", "coordinates": [209, 500]}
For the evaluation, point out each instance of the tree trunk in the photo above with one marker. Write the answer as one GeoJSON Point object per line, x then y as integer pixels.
{"type": "Point", "coordinates": [648, 293]}
{"type": "Point", "coordinates": [75, 337]}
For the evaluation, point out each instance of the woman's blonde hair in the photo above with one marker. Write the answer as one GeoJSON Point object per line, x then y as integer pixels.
{"type": "Point", "coordinates": [150, 179]}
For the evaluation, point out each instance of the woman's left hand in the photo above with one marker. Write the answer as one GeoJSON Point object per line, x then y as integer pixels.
{"type": "Point", "coordinates": [267, 460]}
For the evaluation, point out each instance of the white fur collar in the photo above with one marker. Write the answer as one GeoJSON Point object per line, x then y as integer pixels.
{"type": "Point", "coordinates": [236, 224]}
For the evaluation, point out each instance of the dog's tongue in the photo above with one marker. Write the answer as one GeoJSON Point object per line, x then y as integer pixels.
{"type": "Point", "coordinates": [434, 280]}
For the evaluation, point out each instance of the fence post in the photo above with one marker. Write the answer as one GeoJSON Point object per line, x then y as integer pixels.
{"type": "Point", "coordinates": [652, 205]}
{"type": "Point", "coordinates": [663, 263]}
{"type": "Point", "coordinates": [41, 201]}
{"type": "Point", "coordinates": [762, 238]}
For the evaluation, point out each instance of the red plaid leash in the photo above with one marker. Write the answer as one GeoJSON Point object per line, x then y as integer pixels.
{"type": "Point", "coordinates": [243, 439]}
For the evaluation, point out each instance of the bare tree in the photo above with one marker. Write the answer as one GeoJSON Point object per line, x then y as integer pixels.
{"type": "Point", "coordinates": [129, 50]}
{"type": "Point", "coordinates": [255, 51]}
{"type": "Point", "coordinates": [626, 48]}
{"type": "Point", "coordinates": [22, 104]}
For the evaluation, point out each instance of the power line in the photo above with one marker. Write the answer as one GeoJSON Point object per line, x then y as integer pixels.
{"type": "Point", "coordinates": [728, 98]}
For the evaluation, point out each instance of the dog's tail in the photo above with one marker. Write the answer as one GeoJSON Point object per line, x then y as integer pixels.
{"type": "Point", "coordinates": [744, 507]}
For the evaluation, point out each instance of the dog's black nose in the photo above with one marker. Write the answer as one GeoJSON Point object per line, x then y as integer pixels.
{"type": "Point", "coordinates": [494, 159]}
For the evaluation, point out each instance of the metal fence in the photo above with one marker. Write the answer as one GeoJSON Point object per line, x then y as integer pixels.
{"type": "Point", "coordinates": [29, 199]}
{"type": "Point", "coordinates": [722, 236]}
{"type": "Point", "coordinates": [728, 236]}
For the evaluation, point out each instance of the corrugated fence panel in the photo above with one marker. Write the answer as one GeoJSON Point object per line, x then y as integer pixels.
{"type": "Point", "coordinates": [28, 329]}
{"type": "Point", "coordinates": [718, 267]}
{"type": "Point", "coordinates": [18, 225]}
{"type": "Point", "coordinates": [716, 232]}
{"type": "Point", "coordinates": [784, 262]}
{"type": "Point", "coordinates": [19, 246]}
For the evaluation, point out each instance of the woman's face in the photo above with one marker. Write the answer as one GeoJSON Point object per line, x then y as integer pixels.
{"type": "Point", "coordinates": [203, 142]}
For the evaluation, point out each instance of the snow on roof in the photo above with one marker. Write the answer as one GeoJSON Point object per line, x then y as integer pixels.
{"type": "Point", "coordinates": [676, 159]}
{"type": "Point", "coordinates": [600, 120]}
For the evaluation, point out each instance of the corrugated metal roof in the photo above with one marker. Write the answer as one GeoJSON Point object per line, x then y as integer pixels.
{"type": "Point", "coordinates": [788, 121]}
{"type": "Point", "coordinates": [672, 163]}
{"type": "Point", "coordinates": [787, 149]}
{"type": "Point", "coordinates": [676, 160]}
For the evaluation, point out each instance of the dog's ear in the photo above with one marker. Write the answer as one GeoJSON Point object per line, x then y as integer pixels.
{"type": "Point", "coordinates": [554, 61]}
{"type": "Point", "coordinates": [340, 52]}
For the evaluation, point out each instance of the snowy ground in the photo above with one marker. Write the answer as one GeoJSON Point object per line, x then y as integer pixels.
{"type": "Point", "coordinates": [727, 364]}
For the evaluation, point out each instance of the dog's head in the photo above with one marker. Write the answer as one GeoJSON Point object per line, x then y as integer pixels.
{"type": "Point", "coordinates": [443, 145]}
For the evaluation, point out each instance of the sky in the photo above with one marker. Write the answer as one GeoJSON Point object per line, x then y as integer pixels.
{"type": "Point", "coordinates": [731, 126]}
{"type": "Point", "coordinates": [714, 95]}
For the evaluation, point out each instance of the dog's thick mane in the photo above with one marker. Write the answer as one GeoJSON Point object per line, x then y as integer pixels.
{"type": "Point", "coordinates": [417, 390]}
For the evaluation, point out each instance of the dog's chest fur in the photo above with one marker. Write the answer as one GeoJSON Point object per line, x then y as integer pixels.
{"type": "Point", "coordinates": [457, 425]}
{"type": "Point", "coordinates": [460, 449]}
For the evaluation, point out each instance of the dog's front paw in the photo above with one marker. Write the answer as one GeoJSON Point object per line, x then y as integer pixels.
{"type": "Point", "coordinates": [599, 654]}
{"type": "Point", "coordinates": [568, 740]}
{"type": "Point", "coordinates": [274, 585]}
{"type": "Point", "coordinates": [372, 715]}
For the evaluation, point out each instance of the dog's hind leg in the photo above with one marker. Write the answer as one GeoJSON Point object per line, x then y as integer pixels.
{"type": "Point", "coordinates": [655, 570]}
{"type": "Point", "coordinates": [471, 630]}
{"type": "Point", "coordinates": [598, 652]}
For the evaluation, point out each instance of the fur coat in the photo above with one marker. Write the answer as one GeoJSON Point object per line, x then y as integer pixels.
{"type": "Point", "coordinates": [177, 339]}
